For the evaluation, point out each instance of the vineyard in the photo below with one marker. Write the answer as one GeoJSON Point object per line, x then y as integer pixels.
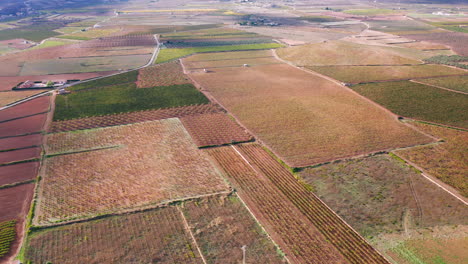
{"type": "Point", "coordinates": [161, 164]}
{"type": "Point", "coordinates": [7, 236]}
{"type": "Point", "coordinates": [161, 75]}
{"type": "Point", "coordinates": [214, 130]}
{"type": "Point", "coordinates": [456, 40]}
{"type": "Point", "coordinates": [121, 41]}
{"type": "Point", "coordinates": [18, 172]}
{"type": "Point", "coordinates": [301, 241]}
{"type": "Point", "coordinates": [458, 83]}
{"type": "Point", "coordinates": [132, 117]}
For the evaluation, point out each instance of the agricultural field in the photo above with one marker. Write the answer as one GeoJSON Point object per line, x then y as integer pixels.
{"type": "Point", "coordinates": [20, 172]}
{"type": "Point", "coordinates": [342, 53]}
{"type": "Point", "coordinates": [370, 12]}
{"type": "Point", "coordinates": [304, 118]}
{"type": "Point", "coordinates": [369, 74]}
{"type": "Point", "coordinates": [118, 79]}
{"type": "Point", "coordinates": [403, 27]}
{"type": "Point", "coordinates": [382, 195]}
{"type": "Point", "coordinates": [445, 161]}
{"type": "Point", "coordinates": [7, 236]}
{"type": "Point", "coordinates": [20, 142]}
{"type": "Point", "coordinates": [160, 151]}
{"type": "Point", "coordinates": [155, 236]}
{"type": "Point", "coordinates": [456, 40]}
{"type": "Point", "coordinates": [19, 155]}
{"type": "Point", "coordinates": [92, 33]}
{"type": "Point", "coordinates": [419, 101]}
{"type": "Point", "coordinates": [457, 83]}
{"type": "Point", "coordinates": [122, 98]}
{"type": "Point", "coordinates": [23, 126]}
{"type": "Point", "coordinates": [9, 97]}
{"type": "Point", "coordinates": [133, 117]}
{"type": "Point", "coordinates": [161, 75]}
{"type": "Point", "coordinates": [32, 107]}
{"type": "Point", "coordinates": [214, 130]}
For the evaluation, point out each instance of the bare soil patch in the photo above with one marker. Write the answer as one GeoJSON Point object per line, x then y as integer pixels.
{"type": "Point", "coordinates": [18, 172]}
{"type": "Point", "coordinates": [23, 126]}
{"type": "Point", "coordinates": [19, 155]}
{"type": "Point", "coordinates": [20, 142]}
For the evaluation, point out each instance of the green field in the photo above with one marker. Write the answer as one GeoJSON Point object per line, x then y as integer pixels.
{"type": "Point", "coordinates": [166, 55]}
{"type": "Point", "coordinates": [33, 35]}
{"type": "Point", "coordinates": [370, 12]}
{"type": "Point", "coordinates": [125, 97]}
{"type": "Point", "coordinates": [458, 83]}
{"type": "Point", "coordinates": [419, 101]}
{"type": "Point", "coordinates": [364, 74]}
{"type": "Point", "coordinates": [319, 19]}
{"type": "Point", "coordinates": [50, 43]}
{"type": "Point", "coordinates": [128, 77]}
{"type": "Point", "coordinates": [7, 236]}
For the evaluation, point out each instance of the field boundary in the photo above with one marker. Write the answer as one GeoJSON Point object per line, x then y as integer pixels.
{"type": "Point", "coordinates": [187, 227]}
{"type": "Point", "coordinates": [440, 87]}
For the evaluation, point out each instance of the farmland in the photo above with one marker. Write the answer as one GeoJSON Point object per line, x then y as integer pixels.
{"type": "Point", "coordinates": [123, 98]}
{"type": "Point", "coordinates": [18, 155]}
{"type": "Point", "coordinates": [456, 40]}
{"type": "Point", "coordinates": [446, 161]}
{"type": "Point", "coordinates": [214, 130]}
{"type": "Point", "coordinates": [27, 125]}
{"type": "Point", "coordinates": [302, 122]}
{"type": "Point", "coordinates": [161, 75]}
{"type": "Point", "coordinates": [418, 101]}
{"type": "Point", "coordinates": [458, 83]}
{"type": "Point", "coordinates": [158, 150]}
{"type": "Point", "coordinates": [19, 142]}
{"type": "Point", "coordinates": [16, 173]}
{"type": "Point", "coordinates": [7, 236]}
{"type": "Point", "coordinates": [9, 97]}
{"type": "Point", "coordinates": [365, 74]}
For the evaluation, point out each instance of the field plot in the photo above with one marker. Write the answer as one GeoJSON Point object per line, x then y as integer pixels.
{"type": "Point", "coordinates": [7, 236]}
{"type": "Point", "coordinates": [364, 74]}
{"type": "Point", "coordinates": [18, 172]}
{"type": "Point", "coordinates": [297, 237]}
{"type": "Point", "coordinates": [15, 201]}
{"type": "Point", "coordinates": [222, 225]}
{"type": "Point", "coordinates": [133, 117]}
{"type": "Point", "coordinates": [303, 118]}
{"type": "Point", "coordinates": [161, 75]}
{"type": "Point", "coordinates": [418, 101]}
{"type": "Point", "coordinates": [9, 97]}
{"type": "Point", "coordinates": [32, 107]}
{"type": "Point", "coordinates": [403, 27]}
{"type": "Point", "coordinates": [20, 142]}
{"type": "Point", "coordinates": [213, 64]}
{"type": "Point", "coordinates": [458, 83]}
{"type": "Point", "coordinates": [81, 65]}
{"type": "Point", "coordinates": [342, 53]}
{"type": "Point", "coordinates": [121, 41]}
{"type": "Point", "coordinates": [214, 130]}
{"type": "Point", "coordinates": [78, 34]}
{"type": "Point", "coordinates": [382, 195]}
{"type": "Point", "coordinates": [161, 164]}
{"type": "Point", "coordinates": [19, 155]}
{"type": "Point", "coordinates": [156, 236]}
{"type": "Point", "coordinates": [122, 98]}
{"type": "Point", "coordinates": [447, 161]}
{"type": "Point", "coordinates": [456, 40]}
{"type": "Point", "coordinates": [27, 125]}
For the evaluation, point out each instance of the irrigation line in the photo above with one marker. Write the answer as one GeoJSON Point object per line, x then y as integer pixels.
{"type": "Point", "coordinates": [191, 234]}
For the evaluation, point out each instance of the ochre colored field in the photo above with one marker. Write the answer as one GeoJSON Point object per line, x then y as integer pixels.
{"type": "Point", "coordinates": [214, 130]}
{"type": "Point", "coordinates": [447, 161]}
{"type": "Point", "coordinates": [365, 74]}
{"type": "Point", "coordinates": [161, 164]}
{"type": "Point", "coordinates": [342, 53]}
{"type": "Point", "coordinates": [303, 118]}
{"type": "Point", "coordinates": [18, 172]}
{"type": "Point", "coordinates": [161, 75]}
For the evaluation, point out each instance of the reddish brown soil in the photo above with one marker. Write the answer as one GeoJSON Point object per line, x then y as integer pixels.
{"type": "Point", "coordinates": [214, 130]}
{"type": "Point", "coordinates": [22, 126]}
{"type": "Point", "coordinates": [456, 40]}
{"type": "Point", "coordinates": [19, 155]}
{"type": "Point", "coordinates": [121, 41]}
{"type": "Point", "coordinates": [20, 142]}
{"type": "Point", "coordinates": [35, 106]}
{"type": "Point", "coordinates": [15, 201]}
{"type": "Point", "coordinates": [134, 117]}
{"type": "Point", "coordinates": [18, 172]}
{"type": "Point", "coordinates": [8, 82]}
{"type": "Point", "coordinates": [289, 228]}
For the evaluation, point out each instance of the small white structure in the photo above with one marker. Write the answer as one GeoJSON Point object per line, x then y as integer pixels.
{"type": "Point", "coordinates": [246, 65]}
{"type": "Point", "coordinates": [205, 70]}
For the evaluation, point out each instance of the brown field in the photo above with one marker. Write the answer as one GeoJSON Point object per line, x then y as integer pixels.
{"type": "Point", "coordinates": [161, 164]}
{"type": "Point", "coordinates": [120, 41]}
{"type": "Point", "coordinates": [381, 195]}
{"type": "Point", "coordinates": [447, 161]}
{"type": "Point", "coordinates": [156, 236]}
{"type": "Point", "coordinates": [132, 117]}
{"type": "Point", "coordinates": [456, 40]}
{"type": "Point", "coordinates": [18, 172]}
{"type": "Point", "coordinates": [211, 64]}
{"type": "Point", "coordinates": [222, 225]}
{"type": "Point", "coordinates": [11, 143]}
{"type": "Point", "coordinates": [221, 56]}
{"type": "Point", "coordinates": [161, 75]}
{"type": "Point", "coordinates": [9, 97]}
{"type": "Point", "coordinates": [214, 130]}
{"type": "Point", "coordinates": [32, 107]}
{"type": "Point", "coordinates": [15, 201]}
{"type": "Point", "coordinates": [19, 155]}
{"type": "Point", "coordinates": [290, 229]}
{"type": "Point", "coordinates": [303, 118]}
{"type": "Point", "coordinates": [23, 126]}
{"type": "Point", "coordinates": [342, 53]}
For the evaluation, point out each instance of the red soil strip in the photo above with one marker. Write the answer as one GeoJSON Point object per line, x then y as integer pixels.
{"type": "Point", "coordinates": [22, 126]}
{"type": "Point", "coordinates": [35, 106]}
{"type": "Point", "coordinates": [7, 83]}
{"type": "Point", "coordinates": [18, 172]}
{"type": "Point", "coordinates": [19, 155]}
{"type": "Point", "coordinates": [15, 201]}
{"type": "Point", "coordinates": [214, 130]}
{"type": "Point", "coordinates": [134, 117]}
{"type": "Point", "coordinates": [20, 142]}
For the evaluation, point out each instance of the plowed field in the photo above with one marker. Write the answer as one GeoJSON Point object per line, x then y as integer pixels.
{"type": "Point", "coordinates": [18, 172]}
{"type": "Point", "coordinates": [23, 126]}
{"type": "Point", "coordinates": [19, 155]}
{"type": "Point", "coordinates": [20, 142]}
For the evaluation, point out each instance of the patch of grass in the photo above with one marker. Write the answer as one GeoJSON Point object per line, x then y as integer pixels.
{"type": "Point", "coordinates": [128, 77]}
{"type": "Point", "coordinates": [33, 35]}
{"type": "Point", "coordinates": [419, 101]}
{"type": "Point", "coordinates": [50, 43]}
{"type": "Point", "coordinates": [172, 54]}
{"type": "Point", "coordinates": [454, 60]}
{"type": "Point", "coordinates": [319, 19]}
{"type": "Point", "coordinates": [123, 98]}
{"type": "Point", "coordinates": [74, 37]}
{"type": "Point", "coordinates": [7, 236]}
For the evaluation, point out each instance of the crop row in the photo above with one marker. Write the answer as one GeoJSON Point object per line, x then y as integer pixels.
{"type": "Point", "coordinates": [295, 234]}
{"type": "Point", "coordinates": [133, 117]}
{"type": "Point", "coordinates": [120, 41]}
{"type": "Point", "coordinates": [7, 236]}
{"type": "Point", "coordinates": [348, 242]}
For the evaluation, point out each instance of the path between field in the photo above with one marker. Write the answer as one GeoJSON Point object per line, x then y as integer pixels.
{"type": "Point", "coordinates": [187, 227]}
{"type": "Point", "coordinates": [440, 87]}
